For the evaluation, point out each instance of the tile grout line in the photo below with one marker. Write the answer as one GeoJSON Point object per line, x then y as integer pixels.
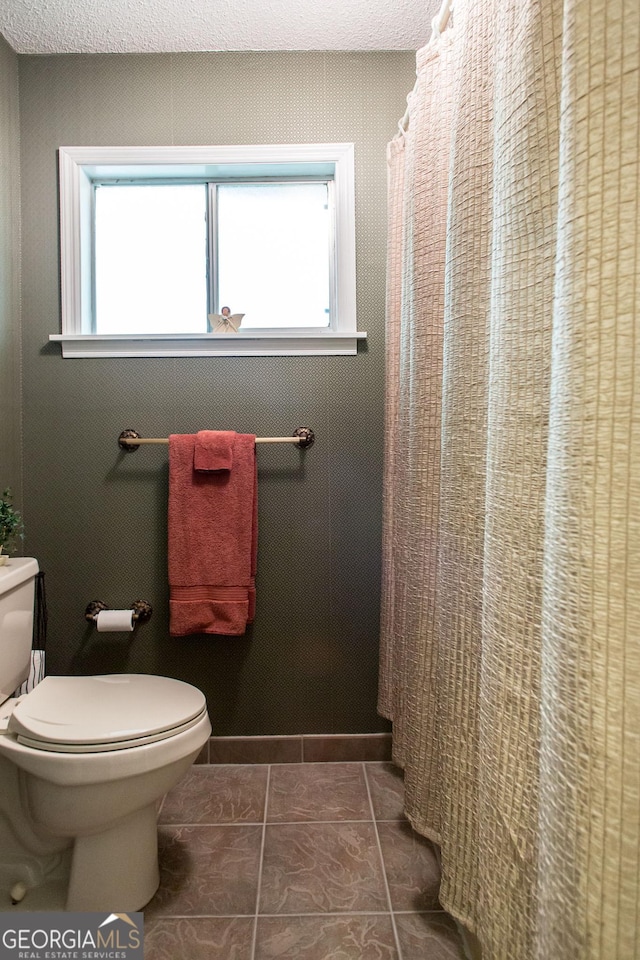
{"type": "Point", "coordinates": [278, 916]}
{"type": "Point", "coordinates": [282, 763]}
{"type": "Point", "coordinates": [384, 869]}
{"type": "Point", "coordinates": [272, 823]}
{"type": "Point", "coordinates": [259, 889]}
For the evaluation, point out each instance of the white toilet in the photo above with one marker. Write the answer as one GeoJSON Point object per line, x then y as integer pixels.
{"type": "Point", "coordinates": [84, 762]}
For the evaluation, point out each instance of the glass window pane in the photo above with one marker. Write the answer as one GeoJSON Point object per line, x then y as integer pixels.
{"type": "Point", "coordinates": [151, 259]}
{"type": "Point", "coordinates": [273, 253]}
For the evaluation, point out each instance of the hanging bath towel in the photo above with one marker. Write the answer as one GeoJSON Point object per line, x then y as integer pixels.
{"type": "Point", "coordinates": [212, 535]}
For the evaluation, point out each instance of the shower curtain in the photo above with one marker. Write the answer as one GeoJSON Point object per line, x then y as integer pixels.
{"type": "Point", "coordinates": [510, 649]}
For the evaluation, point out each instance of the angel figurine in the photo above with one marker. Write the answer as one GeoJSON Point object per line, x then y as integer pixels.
{"type": "Point", "coordinates": [224, 322]}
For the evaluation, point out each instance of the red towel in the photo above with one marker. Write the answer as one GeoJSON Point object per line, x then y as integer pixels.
{"type": "Point", "coordinates": [214, 450]}
{"type": "Point", "coordinates": [212, 540]}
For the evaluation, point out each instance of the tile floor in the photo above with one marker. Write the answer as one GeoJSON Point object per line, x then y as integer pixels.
{"type": "Point", "coordinates": [304, 861]}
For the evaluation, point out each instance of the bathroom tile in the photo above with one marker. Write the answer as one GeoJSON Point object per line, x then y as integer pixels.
{"type": "Point", "coordinates": [199, 938]}
{"type": "Point", "coordinates": [207, 871]}
{"type": "Point", "coordinates": [255, 749]}
{"type": "Point", "coordinates": [325, 938]}
{"type": "Point", "coordinates": [317, 791]}
{"type": "Point", "coordinates": [323, 749]}
{"type": "Point", "coordinates": [387, 790]}
{"type": "Point", "coordinates": [321, 868]}
{"type": "Point", "coordinates": [322, 895]}
{"type": "Point", "coordinates": [217, 794]}
{"type": "Point", "coordinates": [411, 866]}
{"type": "Point", "coordinates": [428, 936]}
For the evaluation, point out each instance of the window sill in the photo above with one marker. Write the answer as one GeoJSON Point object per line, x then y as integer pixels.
{"type": "Point", "coordinates": [255, 343]}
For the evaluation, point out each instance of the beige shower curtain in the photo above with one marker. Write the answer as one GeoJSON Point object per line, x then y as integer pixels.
{"type": "Point", "coordinates": [510, 653]}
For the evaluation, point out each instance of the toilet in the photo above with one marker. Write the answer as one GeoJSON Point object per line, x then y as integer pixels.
{"type": "Point", "coordinates": [84, 763]}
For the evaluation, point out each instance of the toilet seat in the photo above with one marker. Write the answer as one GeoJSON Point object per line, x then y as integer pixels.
{"type": "Point", "coordinates": [99, 714]}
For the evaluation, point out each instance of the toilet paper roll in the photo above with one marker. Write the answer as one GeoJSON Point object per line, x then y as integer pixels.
{"type": "Point", "coordinates": [114, 621]}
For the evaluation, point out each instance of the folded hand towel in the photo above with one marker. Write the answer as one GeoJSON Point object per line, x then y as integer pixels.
{"type": "Point", "coordinates": [214, 450]}
{"type": "Point", "coordinates": [212, 540]}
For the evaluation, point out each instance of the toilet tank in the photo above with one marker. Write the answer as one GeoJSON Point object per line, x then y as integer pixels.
{"type": "Point", "coordinates": [17, 580]}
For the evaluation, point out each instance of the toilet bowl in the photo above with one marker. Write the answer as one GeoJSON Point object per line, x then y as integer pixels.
{"type": "Point", "coordinates": [84, 762]}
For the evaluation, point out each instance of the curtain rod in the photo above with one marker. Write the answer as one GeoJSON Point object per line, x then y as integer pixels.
{"type": "Point", "coordinates": [438, 25]}
{"type": "Point", "coordinates": [440, 21]}
{"type": "Point", "coordinates": [303, 437]}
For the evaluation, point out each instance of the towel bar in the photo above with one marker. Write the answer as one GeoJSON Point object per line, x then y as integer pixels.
{"type": "Point", "coordinates": [303, 437]}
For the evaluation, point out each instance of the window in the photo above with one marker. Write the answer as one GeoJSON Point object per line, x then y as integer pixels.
{"type": "Point", "coordinates": [150, 269]}
{"type": "Point", "coordinates": [155, 241]}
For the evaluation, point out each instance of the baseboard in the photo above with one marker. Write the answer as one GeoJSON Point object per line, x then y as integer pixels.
{"type": "Point", "coordinates": [305, 748]}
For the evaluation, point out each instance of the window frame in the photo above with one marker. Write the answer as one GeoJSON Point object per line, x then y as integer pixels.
{"type": "Point", "coordinates": [80, 166]}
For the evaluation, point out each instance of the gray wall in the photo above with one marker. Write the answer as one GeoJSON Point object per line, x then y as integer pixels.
{"type": "Point", "coordinates": [10, 390]}
{"type": "Point", "coordinates": [96, 517]}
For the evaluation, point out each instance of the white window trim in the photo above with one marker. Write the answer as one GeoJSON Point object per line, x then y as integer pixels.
{"type": "Point", "coordinates": [75, 253]}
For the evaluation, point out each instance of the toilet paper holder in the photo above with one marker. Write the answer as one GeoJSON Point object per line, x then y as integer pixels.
{"type": "Point", "coordinates": [142, 610]}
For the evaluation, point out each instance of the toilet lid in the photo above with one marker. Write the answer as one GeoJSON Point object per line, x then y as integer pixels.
{"type": "Point", "coordinates": [89, 714]}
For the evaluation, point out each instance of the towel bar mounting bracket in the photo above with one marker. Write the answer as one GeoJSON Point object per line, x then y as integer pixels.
{"type": "Point", "coordinates": [306, 435]}
{"type": "Point", "coordinates": [129, 435]}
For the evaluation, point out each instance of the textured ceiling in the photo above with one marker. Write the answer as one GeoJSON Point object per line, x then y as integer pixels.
{"type": "Point", "coordinates": [148, 26]}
